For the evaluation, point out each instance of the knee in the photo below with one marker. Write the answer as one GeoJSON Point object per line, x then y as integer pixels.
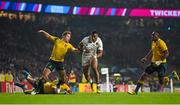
{"type": "Point", "coordinates": [46, 72]}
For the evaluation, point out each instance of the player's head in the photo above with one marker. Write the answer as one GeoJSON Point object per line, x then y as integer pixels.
{"type": "Point", "coordinates": [94, 36]}
{"type": "Point", "coordinates": [155, 35]}
{"type": "Point", "coordinates": [66, 36]}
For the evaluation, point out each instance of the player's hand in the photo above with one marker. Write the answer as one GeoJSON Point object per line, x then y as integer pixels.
{"type": "Point", "coordinates": [158, 63]}
{"type": "Point", "coordinates": [41, 31]}
{"type": "Point", "coordinates": [86, 50]}
{"type": "Point", "coordinates": [143, 60]}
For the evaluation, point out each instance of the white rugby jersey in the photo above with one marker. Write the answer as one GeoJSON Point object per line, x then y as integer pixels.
{"type": "Point", "coordinates": [91, 46]}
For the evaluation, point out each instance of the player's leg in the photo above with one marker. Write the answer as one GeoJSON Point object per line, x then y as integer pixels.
{"type": "Point", "coordinates": [161, 83]}
{"type": "Point", "coordinates": [46, 73]}
{"type": "Point", "coordinates": [39, 84]}
{"type": "Point", "coordinates": [86, 63]}
{"type": "Point", "coordinates": [50, 66]}
{"type": "Point", "coordinates": [175, 75]}
{"type": "Point", "coordinates": [149, 69]}
{"type": "Point", "coordinates": [28, 77]}
{"type": "Point", "coordinates": [22, 86]}
{"type": "Point", "coordinates": [166, 80]}
{"type": "Point", "coordinates": [96, 72]}
{"type": "Point", "coordinates": [161, 69]}
{"type": "Point", "coordinates": [87, 74]}
{"type": "Point", "coordinates": [62, 82]}
{"type": "Point", "coordinates": [139, 84]}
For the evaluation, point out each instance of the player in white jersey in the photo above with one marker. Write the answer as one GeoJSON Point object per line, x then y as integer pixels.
{"type": "Point", "coordinates": [92, 49]}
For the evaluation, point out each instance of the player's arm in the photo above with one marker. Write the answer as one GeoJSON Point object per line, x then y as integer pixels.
{"type": "Point", "coordinates": [165, 54]}
{"type": "Point", "coordinates": [100, 49]}
{"type": "Point", "coordinates": [99, 53]}
{"type": "Point", "coordinates": [147, 57]}
{"type": "Point", "coordinates": [80, 46]}
{"type": "Point", "coordinates": [75, 49]}
{"type": "Point", "coordinates": [46, 35]}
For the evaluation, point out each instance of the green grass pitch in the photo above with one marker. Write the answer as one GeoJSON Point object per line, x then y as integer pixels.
{"type": "Point", "coordinates": [91, 98]}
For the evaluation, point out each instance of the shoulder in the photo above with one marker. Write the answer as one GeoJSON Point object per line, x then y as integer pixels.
{"type": "Point", "coordinates": [86, 38]}
{"type": "Point", "coordinates": [54, 38]}
{"type": "Point", "coordinates": [99, 40]}
{"type": "Point", "coordinates": [162, 42]}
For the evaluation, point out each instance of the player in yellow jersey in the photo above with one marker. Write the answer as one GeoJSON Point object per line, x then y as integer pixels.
{"type": "Point", "coordinates": [56, 61]}
{"type": "Point", "coordinates": [42, 88]}
{"type": "Point", "coordinates": [158, 54]}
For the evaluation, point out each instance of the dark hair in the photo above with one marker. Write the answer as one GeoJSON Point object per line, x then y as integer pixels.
{"type": "Point", "coordinates": [155, 32]}
{"type": "Point", "coordinates": [94, 32]}
{"type": "Point", "coordinates": [66, 32]}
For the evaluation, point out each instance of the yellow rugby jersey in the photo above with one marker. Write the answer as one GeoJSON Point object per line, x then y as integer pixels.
{"type": "Point", "coordinates": [2, 78]}
{"type": "Point", "coordinates": [7, 79]}
{"type": "Point", "coordinates": [60, 49]}
{"type": "Point", "coordinates": [157, 50]}
{"type": "Point", "coordinates": [49, 87]}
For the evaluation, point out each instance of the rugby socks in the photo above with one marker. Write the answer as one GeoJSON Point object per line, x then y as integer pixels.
{"type": "Point", "coordinates": [98, 87]}
{"type": "Point", "coordinates": [91, 83]}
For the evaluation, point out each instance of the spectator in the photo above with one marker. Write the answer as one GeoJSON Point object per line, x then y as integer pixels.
{"type": "Point", "coordinates": [2, 76]}
{"type": "Point", "coordinates": [72, 79]}
{"type": "Point", "coordinates": [9, 76]}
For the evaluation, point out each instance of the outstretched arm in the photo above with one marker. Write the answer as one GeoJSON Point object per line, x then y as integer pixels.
{"type": "Point", "coordinates": [46, 35]}
{"type": "Point", "coordinates": [75, 50]}
{"type": "Point", "coordinates": [165, 54]}
{"type": "Point", "coordinates": [80, 46]}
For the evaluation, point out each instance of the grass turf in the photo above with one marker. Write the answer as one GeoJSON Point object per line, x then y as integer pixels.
{"type": "Point", "coordinates": [91, 98]}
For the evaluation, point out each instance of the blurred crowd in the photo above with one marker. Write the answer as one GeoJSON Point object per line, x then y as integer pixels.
{"type": "Point", "coordinates": [126, 40]}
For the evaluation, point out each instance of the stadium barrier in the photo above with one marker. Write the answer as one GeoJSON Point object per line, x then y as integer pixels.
{"type": "Point", "coordinates": [85, 87]}
{"type": "Point", "coordinates": [9, 87]}
{"type": "Point", "coordinates": [177, 89]}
